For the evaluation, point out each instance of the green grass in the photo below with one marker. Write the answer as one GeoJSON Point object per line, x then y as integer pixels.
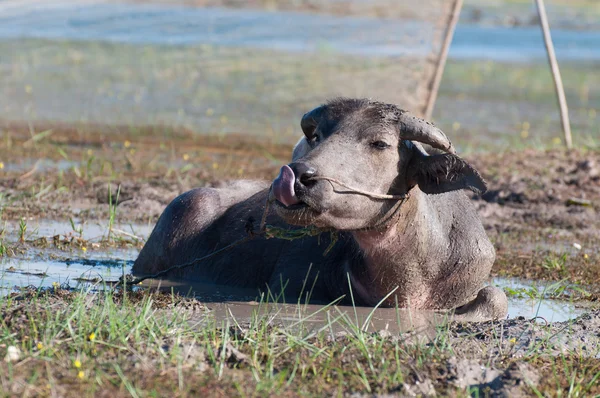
{"type": "Point", "coordinates": [82, 343]}
{"type": "Point", "coordinates": [514, 105]}
{"type": "Point", "coordinates": [561, 289]}
{"type": "Point", "coordinates": [266, 91]}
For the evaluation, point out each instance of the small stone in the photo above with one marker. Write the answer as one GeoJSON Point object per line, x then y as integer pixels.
{"type": "Point", "coordinates": [13, 354]}
{"type": "Point", "coordinates": [384, 333]}
{"type": "Point", "coordinates": [577, 246]}
{"type": "Point", "coordinates": [419, 389]}
{"type": "Point", "coordinates": [202, 367]}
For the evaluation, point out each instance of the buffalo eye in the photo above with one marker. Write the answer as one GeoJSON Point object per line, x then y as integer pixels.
{"type": "Point", "coordinates": [380, 145]}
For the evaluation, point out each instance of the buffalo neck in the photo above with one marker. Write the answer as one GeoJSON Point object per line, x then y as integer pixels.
{"type": "Point", "coordinates": [396, 257]}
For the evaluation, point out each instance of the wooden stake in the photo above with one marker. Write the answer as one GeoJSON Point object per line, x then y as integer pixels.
{"type": "Point", "coordinates": [560, 91]}
{"type": "Point", "coordinates": [439, 69]}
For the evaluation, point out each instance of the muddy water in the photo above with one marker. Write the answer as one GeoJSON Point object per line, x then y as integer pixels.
{"type": "Point", "coordinates": [90, 268]}
{"type": "Point", "coordinates": [88, 231]}
{"type": "Point", "coordinates": [76, 272]}
{"type": "Point", "coordinates": [230, 304]}
{"type": "Point", "coordinates": [242, 305]}
{"type": "Point", "coordinates": [82, 265]}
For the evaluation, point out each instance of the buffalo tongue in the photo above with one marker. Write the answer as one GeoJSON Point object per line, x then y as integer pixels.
{"type": "Point", "coordinates": [283, 187]}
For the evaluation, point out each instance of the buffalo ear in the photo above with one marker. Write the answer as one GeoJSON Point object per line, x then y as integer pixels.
{"type": "Point", "coordinates": [443, 173]}
{"type": "Point", "coordinates": [310, 121]}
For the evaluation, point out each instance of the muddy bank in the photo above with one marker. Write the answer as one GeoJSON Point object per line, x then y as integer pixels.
{"type": "Point", "coordinates": [535, 189]}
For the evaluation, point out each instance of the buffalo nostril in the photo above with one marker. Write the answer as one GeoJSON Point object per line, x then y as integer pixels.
{"type": "Point", "coordinates": [303, 174]}
{"type": "Point", "coordinates": [305, 179]}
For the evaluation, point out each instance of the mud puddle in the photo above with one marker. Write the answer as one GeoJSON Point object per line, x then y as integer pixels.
{"type": "Point", "coordinates": [528, 299]}
{"type": "Point", "coordinates": [86, 231]}
{"type": "Point", "coordinates": [40, 165]}
{"type": "Point", "coordinates": [92, 271]}
{"type": "Point", "coordinates": [95, 270]}
{"type": "Point", "coordinates": [242, 306]}
{"type": "Point", "coordinates": [347, 318]}
{"type": "Point", "coordinates": [533, 299]}
{"type": "Point", "coordinates": [74, 254]}
{"type": "Point", "coordinates": [91, 264]}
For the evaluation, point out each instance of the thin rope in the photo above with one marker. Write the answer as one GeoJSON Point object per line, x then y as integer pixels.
{"type": "Point", "coordinates": [390, 214]}
{"type": "Point", "coordinates": [359, 191]}
{"type": "Point", "coordinates": [264, 230]}
{"type": "Point", "coordinates": [250, 235]}
{"type": "Point", "coordinates": [137, 281]}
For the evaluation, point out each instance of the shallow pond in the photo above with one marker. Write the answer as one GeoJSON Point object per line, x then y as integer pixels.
{"type": "Point", "coordinates": [89, 268]}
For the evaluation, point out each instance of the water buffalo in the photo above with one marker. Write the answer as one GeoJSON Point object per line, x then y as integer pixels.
{"type": "Point", "coordinates": [430, 249]}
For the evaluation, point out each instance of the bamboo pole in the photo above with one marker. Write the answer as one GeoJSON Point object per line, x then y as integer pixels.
{"type": "Point", "coordinates": [560, 91]}
{"type": "Point", "coordinates": [439, 69]}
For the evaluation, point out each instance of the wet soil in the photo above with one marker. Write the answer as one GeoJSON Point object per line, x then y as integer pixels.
{"type": "Point", "coordinates": [542, 212]}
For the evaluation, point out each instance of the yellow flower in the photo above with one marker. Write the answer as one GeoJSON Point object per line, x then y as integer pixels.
{"type": "Point", "coordinates": [39, 346]}
{"type": "Point", "coordinates": [556, 140]}
{"type": "Point", "coordinates": [92, 336]}
{"type": "Point", "coordinates": [77, 363]}
{"type": "Point", "coordinates": [80, 374]}
{"type": "Point", "coordinates": [55, 285]}
{"type": "Point", "coordinates": [513, 340]}
{"type": "Point", "coordinates": [215, 165]}
{"type": "Point", "coordinates": [524, 133]}
{"type": "Point", "coordinates": [186, 157]}
{"type": "Point", "coordinates": [132, 151]}
{"type": "Point", "coordinates": [28, 89]}
{"type": "Point", "coordinates": [84, 249]}
{"type": "Point", "coordinates": [586, 256]}
{"type": "Point", "coordinates": [90, 152]}
{"type": "Point", "coordinates": [1, 165]}
{"type": "Point", "coordinates": [224, 119]}
{"type": "Point", "coordinates": [127, 144]}
{"type": "Point", "coordinates": [210, 112]}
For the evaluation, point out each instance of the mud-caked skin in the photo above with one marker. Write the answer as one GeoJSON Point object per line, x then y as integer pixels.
{"type": "Point", "coordinates": [430, 250]}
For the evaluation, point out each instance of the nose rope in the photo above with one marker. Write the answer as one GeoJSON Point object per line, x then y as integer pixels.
{"type": "Point", "coordinates": [273, 232]}
{"type": "Point", "coordinates": [388, 216]}
{"type": "Point", "coordinates": [359, 191]}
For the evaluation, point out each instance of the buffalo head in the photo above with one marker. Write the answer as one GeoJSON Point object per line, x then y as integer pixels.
{"type": "Point", "coordinates": [373, 146]}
